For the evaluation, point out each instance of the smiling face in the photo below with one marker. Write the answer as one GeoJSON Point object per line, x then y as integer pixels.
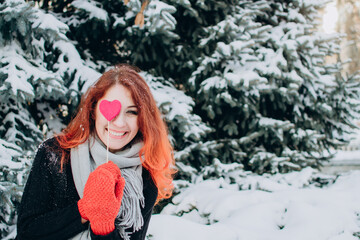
{"type": "Point", "coordinates": [123, 127]}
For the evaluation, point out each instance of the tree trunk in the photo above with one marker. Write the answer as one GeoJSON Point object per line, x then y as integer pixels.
{"type": "Point", "coordinates": [349, 23]}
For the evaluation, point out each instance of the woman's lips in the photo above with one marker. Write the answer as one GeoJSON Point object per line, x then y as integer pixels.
{"type": "Point", "coordinates": [117, 134]}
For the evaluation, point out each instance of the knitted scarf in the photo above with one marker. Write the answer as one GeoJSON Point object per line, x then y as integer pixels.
{"type": "Point", "coordinates": [87, 156]}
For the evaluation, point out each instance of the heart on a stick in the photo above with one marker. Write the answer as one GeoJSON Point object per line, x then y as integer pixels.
{"type": "Point", "coordinates": [110, 109]}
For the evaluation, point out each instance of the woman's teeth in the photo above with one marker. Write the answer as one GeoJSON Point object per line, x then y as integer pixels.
{"type": "Point", "coordinates": [117, 133]}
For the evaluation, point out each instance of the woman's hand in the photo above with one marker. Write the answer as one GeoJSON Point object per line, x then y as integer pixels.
{"type": "Point", "coordinates": [102, 198]}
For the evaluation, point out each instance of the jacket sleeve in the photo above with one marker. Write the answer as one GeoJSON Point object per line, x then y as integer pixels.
{"type": "Point", "coordinates": [39, 217]}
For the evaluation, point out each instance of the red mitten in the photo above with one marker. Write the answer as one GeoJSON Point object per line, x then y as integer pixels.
{"type": "Point", "coordinates": [110, 166]}
{"type": "Point", "coordinates": [102, 198]}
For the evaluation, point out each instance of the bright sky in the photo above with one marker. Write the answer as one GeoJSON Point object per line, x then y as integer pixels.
{"type": "Point", "coordinates": [330, 17]}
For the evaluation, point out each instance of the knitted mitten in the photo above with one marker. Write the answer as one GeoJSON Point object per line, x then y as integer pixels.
{"type": "Point", "coordinates": [102, 198]}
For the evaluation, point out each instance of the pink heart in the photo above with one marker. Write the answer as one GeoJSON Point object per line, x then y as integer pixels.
{"type": "Point", "coordinates": [110, 109]}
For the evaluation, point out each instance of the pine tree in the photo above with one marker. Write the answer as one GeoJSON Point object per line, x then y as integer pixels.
{"type": "Point", "coordinates": [267, 90]}
{"type": "Point", "coordinates": [41, 78]}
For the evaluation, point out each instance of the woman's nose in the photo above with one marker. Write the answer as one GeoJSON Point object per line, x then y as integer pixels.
{"type": "Point", "coordinates": [119, 120]}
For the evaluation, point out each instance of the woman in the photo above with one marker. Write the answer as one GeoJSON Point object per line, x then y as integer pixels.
{"type": "Point", "coordinates": [100, 179]}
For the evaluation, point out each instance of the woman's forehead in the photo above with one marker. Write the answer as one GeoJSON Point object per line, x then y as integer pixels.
{"type": "Point", "coordinates": [120, 93]}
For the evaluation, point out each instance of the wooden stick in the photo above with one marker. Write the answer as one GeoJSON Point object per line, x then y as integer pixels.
{"type": "Point", "coordinates": [107, 143]}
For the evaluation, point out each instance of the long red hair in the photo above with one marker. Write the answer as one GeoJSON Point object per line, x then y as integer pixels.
{"type": "Point", "coordinates": [157, 150]}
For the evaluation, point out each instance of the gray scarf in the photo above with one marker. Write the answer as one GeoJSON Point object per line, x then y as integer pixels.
{"type": "Point", "coordinates": [87, 156]}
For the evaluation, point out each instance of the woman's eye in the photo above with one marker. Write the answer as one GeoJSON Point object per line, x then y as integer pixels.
{"type": "Point", "coordinates": [133, 112]}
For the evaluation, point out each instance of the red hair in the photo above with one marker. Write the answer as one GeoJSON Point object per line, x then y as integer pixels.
{"type": "Point", "coordinates": [157, 150]}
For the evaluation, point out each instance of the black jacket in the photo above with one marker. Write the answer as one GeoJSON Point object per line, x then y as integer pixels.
{"type": "Point", "coordinates": [48, 208]}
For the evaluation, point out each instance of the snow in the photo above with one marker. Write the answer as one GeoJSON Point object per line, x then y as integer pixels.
{"type": "Point", "coordinates": [213, 82]}
{"type": "Point", "coordinates": [343, 156]}
{"type": "Point", "coordinates": [92, 9]}
{"type": "Point", "coordinates": [47, 22]}
{"type": "Point", "coordinates": [244, 78]}
{"type": "Point", "coordinates": [268, 122]}
{"type": "Point", "coordinates": [280, 206]}
{"type": "Point", "coordinates": [19, 70]}
{"type": "Point", "coordinates": [160, 16]}
{"type": "Point", "coordinates": [7, 152]}
{"type": "Point", "coordinates": [180, 228]}
{"type": "Point", "coordinates": [84, 76]}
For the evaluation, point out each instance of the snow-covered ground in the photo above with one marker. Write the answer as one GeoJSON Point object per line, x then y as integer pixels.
{"type": "Point", "coordinates": [302, 205]}
{"type": "Point", "coordinates": [343, 161]}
